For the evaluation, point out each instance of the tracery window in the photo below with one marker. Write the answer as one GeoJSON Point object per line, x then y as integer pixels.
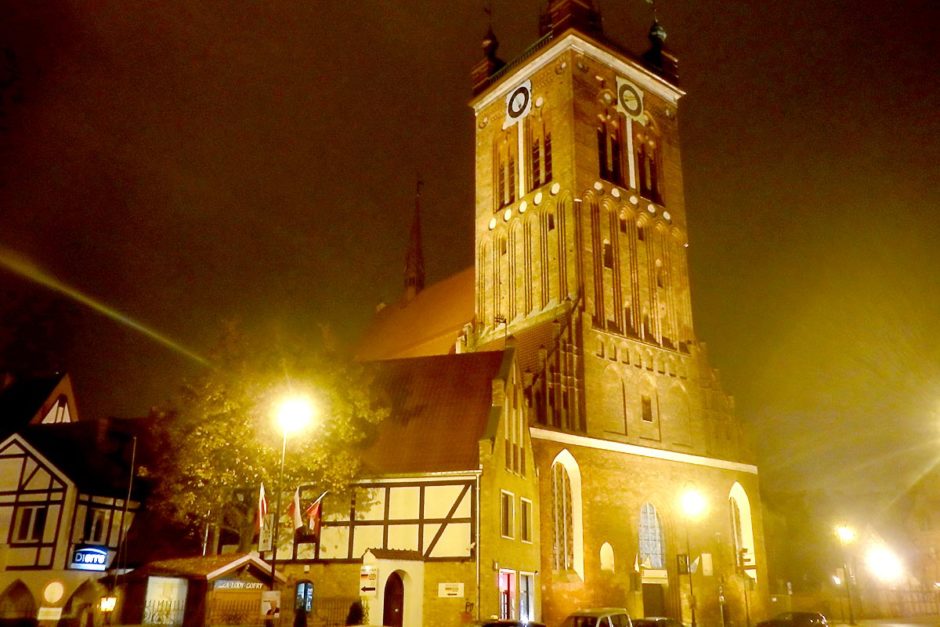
{"type": "Point", "coordinates": [652, 548]}
{"type": "Point", "coordinates": [562, 518]}
{"type": "Point", "coordinates": [504, 161]}
{"type": "Point", "coordinates": [648, 163]}
{"type": "Point", "coordinates": [539, 142]}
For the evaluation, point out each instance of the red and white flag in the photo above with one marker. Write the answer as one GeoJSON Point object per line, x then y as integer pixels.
{"type": "Point", "coordinates": [314, 515]}
{"type": "Point", "coordinates": [294, 510]}
{"type": "Point", "coordinates": [262, 508]}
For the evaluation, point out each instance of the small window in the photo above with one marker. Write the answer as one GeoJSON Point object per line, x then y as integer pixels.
{"type": "Point", "coordinates": [551, 222]}
{"type": "Point", "coordinates": [506, 514]}
{"type": "Point", "coordinates": [647, 409]}
{"type": "Point", "coordinates": [31, 524]}
{"type": "Point", "coordinates": [641, 233]}
{"type": "Point", "coordinates": [525, 523]}
{"type": "Point", "coordinates": [608, 255]}
{"type": "Point", "coordinates": [623, 225]}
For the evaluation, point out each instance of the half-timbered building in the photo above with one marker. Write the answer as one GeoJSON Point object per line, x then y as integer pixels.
{"type": "Point", "coordinates": [64, 511]}
{"type": "Point", "coordinates": [444, 527]}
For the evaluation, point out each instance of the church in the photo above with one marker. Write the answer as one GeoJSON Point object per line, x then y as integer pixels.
{"type": "Point", "coordinates": [648, 494]}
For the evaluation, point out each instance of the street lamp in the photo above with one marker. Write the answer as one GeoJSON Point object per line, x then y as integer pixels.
{"type": "Point", "coordinates": [293, 414]}
{"type": "Point", "coordinates": [693, 506]}
{"type": "Point", "coordinates": [846, 536]}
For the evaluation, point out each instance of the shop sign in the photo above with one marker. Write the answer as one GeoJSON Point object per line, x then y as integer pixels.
{"type": "Point", "coordinates": [450, 590]}
{"type": "Point", "coordinates": [49, 613]}
{"type": "Point", "coordinates": [368, 580]}
{"type": "Point", "coordinates": [89, 557]}
{"type": "Point", "coordinates": [237, 584]}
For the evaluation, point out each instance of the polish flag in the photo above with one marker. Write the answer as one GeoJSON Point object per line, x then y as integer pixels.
{"type": "Point", "coordinates": [294, 510]}
{"type": "Point", "coordinates": [314, 515]}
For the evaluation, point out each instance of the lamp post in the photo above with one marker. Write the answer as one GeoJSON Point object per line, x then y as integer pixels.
{"type": "Point", "coordinates": [693, 506]}
{"type": "Point", "coordinates": [846, 536]}
{"type": "Point", "coordinates": [293, 414]}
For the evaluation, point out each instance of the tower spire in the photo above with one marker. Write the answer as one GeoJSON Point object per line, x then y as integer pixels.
{"type": "Point", "coordinates": [414, 260]}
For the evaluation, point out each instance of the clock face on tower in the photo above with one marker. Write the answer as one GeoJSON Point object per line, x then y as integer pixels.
{"type": "Point", "coordinates": [518, 103]}
{"type": "Point", "coordinates": [629, 97]}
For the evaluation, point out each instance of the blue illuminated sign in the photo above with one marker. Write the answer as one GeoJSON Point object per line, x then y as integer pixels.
{"type": "Point", "coordinates": [88, 557]}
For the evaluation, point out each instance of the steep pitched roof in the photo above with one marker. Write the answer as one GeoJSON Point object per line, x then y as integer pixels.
{"type": "Point", "coordinates": [23, 399]}
{"type": "Point", "coordinates": [440, 407]}
{"type": "Point", "coordinates": [94, 454]}
{"type": "Point", "coordinates": [428, 324]}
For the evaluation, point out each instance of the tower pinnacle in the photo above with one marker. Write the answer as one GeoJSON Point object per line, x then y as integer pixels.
{"type": "Point", "coordinates": [414, 261]}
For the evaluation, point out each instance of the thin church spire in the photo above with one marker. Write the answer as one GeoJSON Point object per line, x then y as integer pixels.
{"type": "Point", "coordinates": [414, 261]}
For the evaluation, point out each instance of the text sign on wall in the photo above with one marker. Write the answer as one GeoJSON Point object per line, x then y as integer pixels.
{"type": "Point", "coordinates": [450, 590]}
{"type": "Point", "coordinates": [237, 584]}
{"type": "Point", "coordinates": [49, 613]}
{"type": "Point", "coordinates": [89, 557]}
{"type": "Point", "coordinates": [368, 580]}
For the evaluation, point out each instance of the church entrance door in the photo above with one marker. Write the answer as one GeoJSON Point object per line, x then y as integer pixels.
{"type": "Point", "coordinates": [654, 599]}
{"type": "Point", "coordinates": [394, 601]}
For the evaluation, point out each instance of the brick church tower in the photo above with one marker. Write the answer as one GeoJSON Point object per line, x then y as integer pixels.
{"type": "Point", "coordinates": [581, 264]}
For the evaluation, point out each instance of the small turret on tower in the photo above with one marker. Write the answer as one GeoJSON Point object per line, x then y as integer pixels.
{"type": "Point", "coordinates": [414, 260]}
{"type": "Point", "coordinates": [659, 59]}
{"type": "Point", "coordinates": [489, 64]}
{"type": "Point", "coordinates": [560, 15]}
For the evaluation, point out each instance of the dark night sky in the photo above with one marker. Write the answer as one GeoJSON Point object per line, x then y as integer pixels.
{"type": "Point", "coordinates": [186, 162]}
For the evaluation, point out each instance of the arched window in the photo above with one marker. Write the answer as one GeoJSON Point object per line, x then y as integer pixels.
{"type": "Point", "coordinates": [740, 510]}
{"type": "Point", "coordinates": [607, 557]}
{"type": "Point", "coordinates": [539, 141]}
{"type": "Point", "coordinates": [652, 548]}
{"type": "Point", "coordinates": [610, 147]}
{"type": "Point", "coordinates": [648, 163]}
{"type": "Point", "coordinates": [567, 541]}
{"type": "Point", "coordinates": [504, 162]}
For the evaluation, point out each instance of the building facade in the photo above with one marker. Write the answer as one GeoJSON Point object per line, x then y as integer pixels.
{"type": "Point", "coordinates": [581, 266]}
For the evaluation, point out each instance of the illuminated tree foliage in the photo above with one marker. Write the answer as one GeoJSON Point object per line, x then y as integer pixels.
{"type": "Point", "coordinates": [223, 442]}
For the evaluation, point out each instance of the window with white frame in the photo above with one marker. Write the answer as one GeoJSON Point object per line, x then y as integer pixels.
{"type": "Point", "coordinates": [506, 514]}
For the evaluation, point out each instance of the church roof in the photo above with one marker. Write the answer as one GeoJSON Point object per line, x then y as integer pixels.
{"type": "Point", "coordinates": [429, 324]}
{"type": "Point", "coordinates": [440, 408]}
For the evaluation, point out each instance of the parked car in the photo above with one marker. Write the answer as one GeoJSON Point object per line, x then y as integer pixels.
{"type": "Point", "coordinates": [796, 619]}
{"type": "Point", "coordinates": [599, 617]}
{"type": "Point", "coordinates": [656, 621]}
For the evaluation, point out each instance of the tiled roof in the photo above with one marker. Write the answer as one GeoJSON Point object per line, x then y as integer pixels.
{"type": "Point", "coordinates": [95, 454]}
{"type": "Point", "coordinates": [440, 407]}
{"type": "Point", "coordinates": [209, 567]}
{"type": "Point", "coordinates": [427, 325]}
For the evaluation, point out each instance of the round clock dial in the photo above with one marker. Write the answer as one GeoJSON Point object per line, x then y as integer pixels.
{"type": "Point", "coordinates": [630, 99]}
{"type": "Point", "coordinates": [518, 102]}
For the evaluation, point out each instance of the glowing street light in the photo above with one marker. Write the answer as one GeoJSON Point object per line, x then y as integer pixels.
{"type": "Point", "coordinates": [693, 505]}
{"type": "Point", "coordinates": [293, 414]}
{"type": "Point", "coordinates": [884, 564]}
{"type": "Point", "coordinates": [846, 536]}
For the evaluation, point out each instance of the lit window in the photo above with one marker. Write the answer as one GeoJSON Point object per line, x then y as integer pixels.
{"type": "Point", "coordinates": [563, 548]}
{"type": "Point", "coordinates": [652, 549]}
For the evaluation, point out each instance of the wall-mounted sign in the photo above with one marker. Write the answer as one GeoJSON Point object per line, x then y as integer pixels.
{"type": "Point", "coordinates": [237, 584]}
{"type": "Point", "coordinates": [450, 590]}
{"type": "Point", "coordinates": [89, 557]}
{"type": "Point", "coordinates": [49, 613]}
{"type": "Point", "coordinates": [368, 580]}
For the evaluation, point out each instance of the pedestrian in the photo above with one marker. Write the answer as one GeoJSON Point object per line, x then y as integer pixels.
{"type": "Point", "coordinates": [300, 617]}
{"type": "Point", "coordinates": [356, 614]}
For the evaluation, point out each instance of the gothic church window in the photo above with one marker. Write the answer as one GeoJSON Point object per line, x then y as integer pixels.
{"type": "Point", "coordinates": [567, 524]}
{"type": "Point", "coordinates": [610, 148]}
{"type": "Point", "coordinates": [648, 163]}
{"type": "Point", "coordinates": [652, 548]}
{"type": "Point", "coordinates": [504, 160]}
{"type": "Point", "coordinates": [563, 545]}
{"type": "Point", "coordinates": [539, 142]}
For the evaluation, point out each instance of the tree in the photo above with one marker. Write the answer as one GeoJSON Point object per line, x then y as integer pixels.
{"type": "Point", "coordinates": [222, 442]}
